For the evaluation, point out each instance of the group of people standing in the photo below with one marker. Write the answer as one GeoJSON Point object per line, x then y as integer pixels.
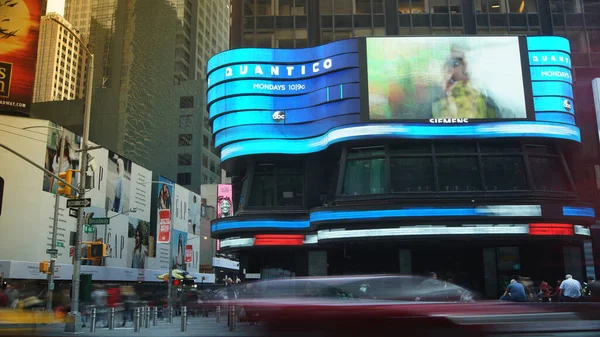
{"type": "Point", "coordinates": [568, 290]}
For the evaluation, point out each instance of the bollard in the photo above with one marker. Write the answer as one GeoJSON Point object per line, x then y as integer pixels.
{"type": "Point", "coordinates": [136, 320]}
{"type": "Point", "coordinates": [93, 320]}
{"type": "Point", "coordinates": [154, 316]}
{"type": "Point", "coordinates": [111, 319]}
{"type": "Point", "coordinates": [232, 318]}
{"type": "Point", "coordinates": [170, 313]}
{"type": "Point", "coordinates": [147, 317]}
{"type": "Point", "coordinates": [183, 319]}
{"type": "Point", "coordinates": [218, 313]}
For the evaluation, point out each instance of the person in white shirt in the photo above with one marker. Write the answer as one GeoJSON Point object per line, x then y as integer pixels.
{"type": "Point", "coordinates": [570, 289]}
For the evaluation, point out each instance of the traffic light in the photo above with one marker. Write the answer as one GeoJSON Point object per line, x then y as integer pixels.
{"type": "Point", "coordinates": [64, 189]}
{"type": "Point", "coordinates": [96, 250]}
{"type": "Point", "coordinates": [44, 267]}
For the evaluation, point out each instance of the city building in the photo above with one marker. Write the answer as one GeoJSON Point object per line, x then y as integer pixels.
{"type": "Point", "coordinates": [331, 184]}
{"type": "Point", "coordinates": [60, 68]}
{"type": "Point", "coordinates": [149, 82]}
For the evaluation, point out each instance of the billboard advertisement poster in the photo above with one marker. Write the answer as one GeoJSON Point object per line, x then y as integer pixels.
{"type": "Point", "coordinates": [118, 183]}
{"type": "Point", "coordinates": [164, 226]}
{"type": "Point", "coordinates": [194, 213]}
{"type": "Point", "coordinates": [138, 243]}
{"type": "Point", "coordinates": [70, 160]}
{"type": "Point", "coordinates": [445, 79]}
{"type": "Point", "coordinates": [179, 242]}
{"type": "Point", "coordinates": [181, 215]}
{"type": "Point", "coordinates": [224, 204]}
{"type": "Point", "coordinates": [19, 32]}
{"type": "Point", "coordinates": [189, 254]}
{"type": "Point", "coordinates": [140, 192]}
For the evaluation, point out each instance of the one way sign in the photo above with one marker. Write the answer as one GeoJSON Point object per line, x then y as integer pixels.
{"type": "Point", "coordinates": [78, 203]}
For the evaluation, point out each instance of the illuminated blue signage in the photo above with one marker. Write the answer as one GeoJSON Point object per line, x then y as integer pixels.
{"type": "Point", "coordinates": [314, 94]}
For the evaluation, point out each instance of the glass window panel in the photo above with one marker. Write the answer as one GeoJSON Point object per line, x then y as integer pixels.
{"type": "Point", "coordinates": [264, 168]}
{"type": "Point", "coordinates": [343, 21]}
{"type": "Point", "coordinates": [325, 7]}
{"type": "Point", "coordinates": [574, 20]}
{"type": "Point", "coordinates": [184, 178]}
{"type": "Point", "coordinates": [265, 22]}
{"type": "Point", "coordinates": [417, 7]}
{"type": "Point", "coordinates": [283, 22]}
{"type": "Point", "coordinates": [592, 6]}
{"type": "Point", "coordinates": [458, 174]}
{"type": "Point", "coordinates": [361, 21]}
{"type": "Point", "coordinates": [500, 147]}
{"type": "Point", "coordinates": [540, 149]}
{"type": "Point", "coordinates": [364, 177]}
{"type": "Point", "coordinates": [440, 20]}
{"type": "Point", "coordinates": [518, 6]}
{"type": "Point", "coordinates": [498, 20]}
{"type": "Point", "coordinates": [248, 40]}
{"type": "Point", "coordinates": [362, 31]}
{"type": "Point", "coordinates": [376, 151]}
{"type": "Point", "coordinates": [262, 192]}
{"type": "Point", "coordinates": [480, 6]}
{"type": "Point", "coordinates": [205, 160]}
{"type": "Point", "coordinates": [299, 7]}
{"type": "Point", "coordinates": [534, 19]}
{"type": "Point", "coordinates": [285, 7]}
{"type": "Point", "coordinates": [411, 174]}
{"type": "Point", "coordinates": [455, 148]}
{"type": "Point", "coordinates": [185, 139]}
{"type": "Point", "coordinates": [421, 20]}
{"type": "Point", "coordinates": [504, 173]}
{"type": "Point", "coordinates": [517, 20]}
{"type": "Point", "coordinates": [249, 22]}
{"type": "Point", "coordinates": [186, 102]}
{"type": "Point", "coordinates": [288, 44]}
{"type": "Point", "coordinates": [326, 21]}
{"type": "Point", "coordinates": [248, 7]}
{"type": "Point", "coordinates": [410, 148]}
{"type": "Point", "coordinates": [438, 6]}
{"type": "Point", "coordinates": [300, 21]}
{"type": "Point", "coordinates": [456, 20]}
{"type": "Point", "coordinates": [289, 190]}
{"type": "Point", "coordinates": [342, 6]}
{"type": "Point", "coordinates": [264, 7]}
{"type": "Point", "coordinates": [362, 6]}
{"type": "Point", "coordinates": [301, 43]}
{"type": "Point", "coordinates": [548, 174]}
{"type": "Point", "coordinates": [377, 6]}
{"type": "Point", "coordinates": [327, 37]}
{"type": "Point", "coordinates": [379, 20]}
{"type": "Point", "coordinates": [482, 20]}
{"type": "Point", "coordinates": [184, 159]}
{"type": "Point", "coordinates": [264, 40]}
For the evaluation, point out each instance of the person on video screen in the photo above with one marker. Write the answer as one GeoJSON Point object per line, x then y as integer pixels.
{"type": "Point", "coordinates": [460, 99]}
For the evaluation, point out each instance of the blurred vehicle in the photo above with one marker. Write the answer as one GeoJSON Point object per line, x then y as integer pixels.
{"type": "Point", "coordinates": [413, 306]}
{"type": "Point", "coordinates": [29, 318]}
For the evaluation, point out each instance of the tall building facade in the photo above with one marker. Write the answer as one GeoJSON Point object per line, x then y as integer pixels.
{"type": "Point", "coordinates": [148, 86]}
{"type": "Point", "coordinates": [60, 68]}
{"type": "Point", "coordinates": [330, 195]}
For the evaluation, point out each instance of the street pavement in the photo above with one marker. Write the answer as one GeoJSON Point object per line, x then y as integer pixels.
{"type": "Point", "coordinates": [197, 326]}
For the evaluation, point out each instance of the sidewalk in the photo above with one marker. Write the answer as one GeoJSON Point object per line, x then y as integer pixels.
{"type": "Point", "coordinates": [197, 326]}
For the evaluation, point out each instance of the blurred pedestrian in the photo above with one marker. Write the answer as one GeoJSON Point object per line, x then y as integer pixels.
{"type": "Point", "coordinates": [570, 289]}
{"type": "Point", "coordinates": [100, 300]}
{"type": "Point", "coordinates": [3, 299]}
{"type": "Point", "coordinates": [12, 295]}
{"type": "Point", "coordinates": [515, 292]}
{"type": "Point", "coordinates": [592, 291]}
{"type": "Point", "coordinates": [545, 294]}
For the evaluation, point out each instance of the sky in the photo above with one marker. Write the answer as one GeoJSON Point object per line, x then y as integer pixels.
{"type": "Point", "coordinates": [57, 6]}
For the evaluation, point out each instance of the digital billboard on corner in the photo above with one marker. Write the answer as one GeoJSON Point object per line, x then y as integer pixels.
{"type": "Point", "coordinates": [304, 100]}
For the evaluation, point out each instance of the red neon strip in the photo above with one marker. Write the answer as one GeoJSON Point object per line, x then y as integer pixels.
{"type": "Point", "coordinates": [279, 236]}
{"type": "Point", "coordinates": [279, 240]}
{"type": "Point", "coordinates": [556, 229]}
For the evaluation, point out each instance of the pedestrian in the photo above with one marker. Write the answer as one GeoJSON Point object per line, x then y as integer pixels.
{"type": "Point", "coordinates": [515, 292]}
{"type": "Point", "coordinates": [545, 295]}
{"type": "Point", "coordinates": [592, 291]}
{"type": "Point", "coordinates": [3, 299]}
{"type": "Point", "coordinates": [570, 289]}
{"type": "Point", "coordinates": [12, 295]}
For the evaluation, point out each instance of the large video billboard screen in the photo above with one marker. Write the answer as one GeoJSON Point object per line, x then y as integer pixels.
{"type": "Point", "coordinates": [445, 79]}
{"type": "Point", "coordinates": [19, 31]}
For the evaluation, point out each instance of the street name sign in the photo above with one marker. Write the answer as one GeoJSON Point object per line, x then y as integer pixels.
{"type": "Point", "coordinates": [98, 221]}
{"type": "Point", "coordinates": [52, 251]}
{"type": "Point", "coordinates": [78, 203]}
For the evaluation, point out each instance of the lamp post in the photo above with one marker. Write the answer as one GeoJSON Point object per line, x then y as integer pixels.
{"type": "Point", "coordinates": [74, 322]}
{"type": "Point", "coordinates": [59, 161]}
{"type": "Point", "coordinates": [170, 269]}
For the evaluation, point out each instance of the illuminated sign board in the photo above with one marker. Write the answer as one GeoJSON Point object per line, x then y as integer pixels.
{"type": "Point", "coordinates": [304, 100]}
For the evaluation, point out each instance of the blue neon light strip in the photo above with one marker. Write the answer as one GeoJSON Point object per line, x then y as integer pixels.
{"type": "Point", "coordinates": [551, 73]}
{"type": "Point", "coordinates": [292, 116]}
{"type": "Point", "coordinates": [545, 43]}
{"type": "Point", "coordinates": [552, 104]}
{"type": "Point", "coordinates": [552, 89]}
{"type": "Point", "coordinates": [274, 103]}
{"type": "Point", "coordinates": [283, 224]}
{"type": "Point", "coordinates": [587, 212]}
{"type": "Point", "coordinates": [280, 88]}
{"type": "Point", "coordinates": [405, 131]}
{"type": "Point", "coordinates": [549, 58]}
{"type": "Point", "coordinates": [283, 131]}
{"type": "Point", "coordinates": [556, 117]}
{"type": "Point", "coordinates": [281, 56]}
{"type": "Point", "coordinates": [338, 62]}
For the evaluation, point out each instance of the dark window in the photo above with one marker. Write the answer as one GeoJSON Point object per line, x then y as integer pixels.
{"type": "Point", "coordinates": [365, 171]}
{"type": "Point", "coordinates": [277, 185]}
{"type": "Point", "coordinates": [457, 174]}
{"type": "Point", "coordinates": [205, 142]}
{"type": "Point", "coordinates": [204, 161]}
{"type": "Point", "coordinates": [184, 159]}
{"type": "Point", "coordinates": [184, 178]}
{"type": "Point", "coordinates": [185, 139]}
{"type": "Point", "coordinates": [411, 174]}
{"type": "Point", "coordinates": [548, 174]}
{"type": "Point", "coordinates": [212, 167]}
{"type": "Point", "coordinates": [504, 173]}
{"type": "Point", "coordinates": [186, 102]}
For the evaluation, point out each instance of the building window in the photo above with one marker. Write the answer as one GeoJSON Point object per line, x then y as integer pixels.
{"type": "Point", "coordinates": [204, 179]}
{"type": "Point", "coordinates": [505, 173]}
{"type": "Point", "coordinates": [205, 142]}
{"type": "Point", "coordinates": [184, 159]}
{"type": "Point", "coordinates": [205, 160]}
{"type": "Point", "coordinates": [186, 102]}
{"type": "Point", "coordinates": [186, 121]}
{"type": "Point", "coordinates": [213, 167]}
{"type": "Point", "coordinates": [277, 185]}
{"type": "Point", "coordinates": [365, 171]}
{"type": "Point", "coordinates": [184, 178]}
{"type": "Point", "coordinates": [185, 139]}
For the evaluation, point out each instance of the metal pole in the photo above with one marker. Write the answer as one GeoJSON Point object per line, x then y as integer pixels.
{"type": "Point", "coordinates": [218, 313]}
{"type": "Point", "coordinates": [74, 323]}
{"type": "Point", "coordinates": [147, 317]}
{"type": "Point", "coordinates": [154, 316]}
{"type": "Point", "coordinates": [59, 160]}
{"type": "Point", "coordinates": [231, 317]}
{"type": "Point", "coordinates": [169, 299]}
{"type": "Point", "coordinates": [93, 320]}
{"type": "Point", "coordinates": [136, 319]}
{"type": "Point", "coordinates": [183, 319]}
{"type": "Point", "coordinates": [111, 319]}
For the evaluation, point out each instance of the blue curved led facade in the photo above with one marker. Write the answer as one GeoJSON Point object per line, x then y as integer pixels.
{"type": "Point", "coordinates": [301, 101]}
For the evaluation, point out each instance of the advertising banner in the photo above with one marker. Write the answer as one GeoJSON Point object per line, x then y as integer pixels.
{"type": "Point", "coordinates": [224, 204]}
{"type": "Point", "coordinates": [138, 243]}
{"type": "Point", "coordinates": [56, 165]}
{"type": "Point", "coordinates": [445, 78]}
{"type": "Point", "coordinates": [179, 242]}
{"type": "Point", "coordinates": [189, 254]}
{"type": "Point", "coordinates": [181, 215]}
{"type": "Point", "coordinates": [194, 213]}
{"type": "Point", "coordinates": [164, 226]}
{"type": "Point", "coordinates": [118, 187]}
{"type": "Point", "coordinates": [163, 206]}
{"type": "Point", "coordinates": [19, 32]}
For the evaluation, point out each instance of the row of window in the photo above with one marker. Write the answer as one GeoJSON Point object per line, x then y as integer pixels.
{"type": "Point", "coordinates": [423, 169]}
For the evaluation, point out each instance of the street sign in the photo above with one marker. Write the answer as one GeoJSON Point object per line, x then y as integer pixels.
{"type": "Point", "coordinates": [89, 229]}
{"type": "Point", "coordinates": [73, 212]}
{"type": "Point", "coordinates": [98, 221]}
{"type": "Point", "coordinates": [79, 203]}
{"type": "Point", "coordinates": [52, 251]}
{"type": "Point", "coordinates": [60, 244]}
